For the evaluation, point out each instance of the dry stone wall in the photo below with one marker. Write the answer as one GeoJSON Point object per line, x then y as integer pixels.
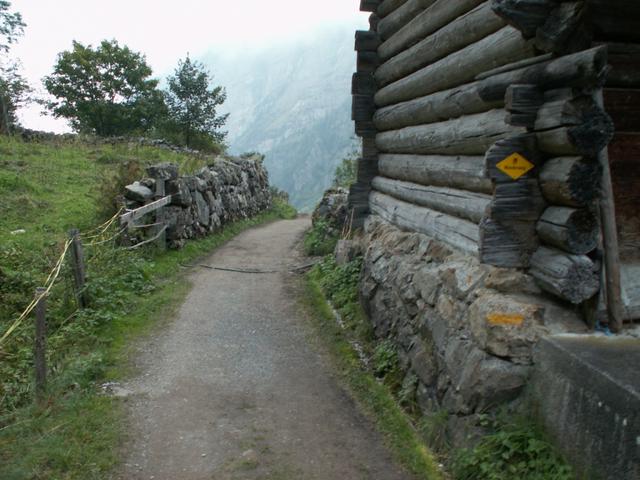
{"type": "Point", "coordinates": [464, 331]}
{"type": "Point", "coordinates": [229, 189]}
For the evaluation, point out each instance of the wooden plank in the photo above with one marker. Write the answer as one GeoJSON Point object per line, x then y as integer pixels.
{"type": "Point", "coordinates": [435, 17]}
{"type": "Point", "coordinates": [78, 268]}
{"type": "Point", "coordinates": [464, 173]}
{"type": "Point", "coordinates": [133, 215]}
{"type": "Point", "coordinates": [624, 156]}
{"type": "Point", "coordinates": [459, 234]}
{"type": "Point", "coordinates": [503, 47]}
{"type": "Point", "coordinates": [463, 31]}
{"type": "Point", "coordinates": [470, 135]}
{"type": "Point", "coordinates": [458, 203]}
{"type": "Point", "coordinates": [585, 69]}
{"type": "Point", "coordinates": [506, 244]}
{"type": "Point", "coordinates": [401, 16]}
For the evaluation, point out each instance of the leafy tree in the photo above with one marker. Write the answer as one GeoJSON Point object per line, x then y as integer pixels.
{"type": "Point", "coordinates": [192, 105]}
{"type": "Point", "coordinates": [107, 90]}
{"type": "Point", "coordinates": [14, 92]}
{"type": "Point", "coordinates": [11, 26]}
{"type": "Point", "coordinates": [14, 89]}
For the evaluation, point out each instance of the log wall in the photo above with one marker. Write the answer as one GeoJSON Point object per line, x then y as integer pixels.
{"type": "Point", "coordinates": [480, 128]}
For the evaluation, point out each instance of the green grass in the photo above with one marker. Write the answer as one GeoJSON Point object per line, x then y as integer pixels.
{"type": "Point", "coordinates": [318, 241]}
{"type": "Point", "coordinates": [46, 189]}
{"type": "Point", "coordinates": [375, 398]}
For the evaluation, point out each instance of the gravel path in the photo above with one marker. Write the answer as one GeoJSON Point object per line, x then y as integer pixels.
{"type": "Point", "coordinates": [233, 388]}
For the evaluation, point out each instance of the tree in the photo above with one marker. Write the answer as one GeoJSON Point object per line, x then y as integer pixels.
{"type": "Point", "coordinates": [11, 26]}
{"type": "Point", "coordinates": [106, 91]}
{"type": "Point", "coordinates": [14, 89]}
{"type": "Point", "coordinates": [14, 92]}
{"type": "Point", "coordinates": [346, 173]}
{"type": "Point", "coordinates": [192, 105]}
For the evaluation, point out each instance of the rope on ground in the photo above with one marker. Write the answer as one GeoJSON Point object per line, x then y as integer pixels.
{"type": "Point", "coordinates": [51, 279]}
{"type": "Point", "coordinates": [252, 270]}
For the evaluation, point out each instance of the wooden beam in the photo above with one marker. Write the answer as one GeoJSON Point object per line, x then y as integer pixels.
{"type": "Point", "coordinates": [610, 237]}
{"type": "Point", "coordinates": [470, 135]}
{"type": "Point", "coordinates": [133, 215]}
{"type": "Point", "coordinates": [464, 173]}
{"type": "Point", "coordinates": [458, 203]}
{"type": "Point", "coordinates": [366, 41]}
{"type": "Point", "coordinates": [401, 16]}
{"type": "Point", "coordinates": [437, 16]}
{"type": "Point", "coordinates": [584, 69]}
{"type": "Point", "coordinates": [573, 278]}
{"type": "Point", "coordinates": [573, 230]}
{"type": "Point", "coordinates": [388, 6]}
{"type": "Point", "coordinates": [525, 15]}
{"type": "Point", "coordinates": [500, 48]}
{"type": "Point", "coordinates": [506, 244]}
{"type": "Point", "coordinates": [363, 84]}
{"type": "Point", "coordinates": [362, 107]}
{"type": "Point", "coordinates": [523, 103]}
{"type": "Point", "coordinates": [460, 234]}
{"type": "Point", "coordinates": [570, 181]}
{"type": "Point", "coordinates": [367, 62]}
{"type": "Point", "coordinates": [369, 5]}
{"type": "Point", "coordinates": [565, 29]}
{"type": "Point", "coordinates": [463, 31]}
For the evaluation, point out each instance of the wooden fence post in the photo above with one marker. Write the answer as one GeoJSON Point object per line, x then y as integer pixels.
{"type": "Point", "coordinates": [78, 267]}
{"type": "Point", "coordinates": [40, 346]}
{"type": "Point", "coordinates": [160, 215]}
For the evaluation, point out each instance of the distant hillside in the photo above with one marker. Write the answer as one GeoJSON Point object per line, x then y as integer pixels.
{"type": "Point", "coordinates": [292, 103]}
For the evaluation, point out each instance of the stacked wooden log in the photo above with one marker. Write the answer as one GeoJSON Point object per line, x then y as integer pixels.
{"type": "Point", "coordinates": [481, 116]}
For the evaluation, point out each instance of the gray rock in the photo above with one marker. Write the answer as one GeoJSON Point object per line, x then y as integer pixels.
{"type": "Point", "coordinates": [138, 193]}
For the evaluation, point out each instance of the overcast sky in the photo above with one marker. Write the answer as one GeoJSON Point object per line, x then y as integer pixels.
{"type": "Point", "coordinates": [165, 30]}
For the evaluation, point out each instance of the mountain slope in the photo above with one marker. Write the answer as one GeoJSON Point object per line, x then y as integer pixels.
{"type": "Point", "coordinates": [292, 103]}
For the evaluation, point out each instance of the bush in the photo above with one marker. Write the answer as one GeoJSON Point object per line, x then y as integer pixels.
{"type": "Point", "coordinates": [515, 450]}
{"type": "Point", "coordinates": [319, 240]}
{"type": "Point", "coordinates": [112, 184]}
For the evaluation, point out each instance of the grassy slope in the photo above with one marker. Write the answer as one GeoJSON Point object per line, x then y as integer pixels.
{"type": "Point", "coordinates": [46, 189]}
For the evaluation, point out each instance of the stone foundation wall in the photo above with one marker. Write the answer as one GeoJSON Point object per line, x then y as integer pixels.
{"type": "Point", "coordinates": [229, 189]}
{"type": "Point", "coordinates": [465, 331]}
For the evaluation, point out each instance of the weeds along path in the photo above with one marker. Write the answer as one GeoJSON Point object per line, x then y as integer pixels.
{"type": "Point", "coordinates": [234, 387]}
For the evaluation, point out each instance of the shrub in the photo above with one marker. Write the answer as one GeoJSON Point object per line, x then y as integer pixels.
{"type": "Point", "coordinates": [515, 450]}
{"type": "Point", "coordinates": [319, 240]}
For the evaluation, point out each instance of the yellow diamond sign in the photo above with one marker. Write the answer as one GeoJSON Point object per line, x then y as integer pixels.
{"type": "Point", "coordinates": [515, 166]}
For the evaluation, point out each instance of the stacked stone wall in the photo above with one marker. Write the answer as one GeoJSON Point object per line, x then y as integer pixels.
{"type": "Point", "coordinates": [465, 332]}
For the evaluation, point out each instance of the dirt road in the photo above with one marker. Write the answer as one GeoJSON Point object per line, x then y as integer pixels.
{"type": "Point", "coordinates": [235, 388]}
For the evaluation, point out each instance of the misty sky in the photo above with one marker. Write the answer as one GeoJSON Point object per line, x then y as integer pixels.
{"type": "Point", "coordinates": [164, 30]}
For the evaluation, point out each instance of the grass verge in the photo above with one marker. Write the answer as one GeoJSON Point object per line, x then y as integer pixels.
{"type": "Point", "coordinates": [374, 397]}
{"type": "Point", "coordinates": [75, 435]}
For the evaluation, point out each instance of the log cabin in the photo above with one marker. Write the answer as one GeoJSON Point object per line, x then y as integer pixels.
{"type": "Point", "coordinates": [510, 131]}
